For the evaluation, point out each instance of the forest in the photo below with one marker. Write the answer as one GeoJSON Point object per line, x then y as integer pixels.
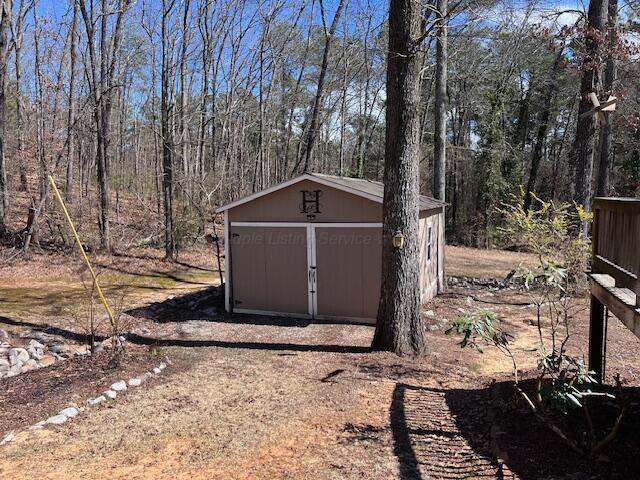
{"type": "Point", "coordinates": [150, 113]}
{"type": "Point", "coordinates": [199, 277]}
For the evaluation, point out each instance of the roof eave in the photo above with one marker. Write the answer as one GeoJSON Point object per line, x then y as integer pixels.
{"type": "Point", "coordinates": [322, 179]}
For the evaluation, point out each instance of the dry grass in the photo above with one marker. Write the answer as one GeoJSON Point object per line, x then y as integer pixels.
{"type": "Point", "coordinates": [56, 289]}
{"type": "Point", "coordinates": [238, 414]}
{"type": "Point", "coordinates": [272, 411]}
{"type": "Point", "coordinates": [494, 264]}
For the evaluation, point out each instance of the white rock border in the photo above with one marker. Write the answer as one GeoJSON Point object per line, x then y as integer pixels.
{"type": "Point", "coordinates": [111, 394]}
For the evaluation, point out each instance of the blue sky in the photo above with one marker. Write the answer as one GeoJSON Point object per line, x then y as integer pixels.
{"type": "Point", "coordinates": [57, 8]}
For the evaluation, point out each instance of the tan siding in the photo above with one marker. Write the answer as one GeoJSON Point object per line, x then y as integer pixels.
{"type": "Point", "coordinates": [429, 268]}
{"type": "Point", "coordinates": [440, 248]}
{"type": "Point", "coordinates": [285, 206]}
{"type": "Point", "coordinates": [269, 269]}
{"type": "Point", "coordinates": [349, 271]}
{"type": "Point", "coordinates": [272, 276]}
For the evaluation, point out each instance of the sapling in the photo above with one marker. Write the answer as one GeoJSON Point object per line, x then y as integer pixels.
{"type": "Point", "coordinates": [563, 383]}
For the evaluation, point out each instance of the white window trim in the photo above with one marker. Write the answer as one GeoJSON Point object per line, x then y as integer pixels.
{"type": "Point", "coordinates": [227, 264]}
{"type": "Point", "coordinates": [429, 242]}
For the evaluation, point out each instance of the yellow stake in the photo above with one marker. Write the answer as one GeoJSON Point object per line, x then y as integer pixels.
{"type": "Point", "coordinates": [84, 254]}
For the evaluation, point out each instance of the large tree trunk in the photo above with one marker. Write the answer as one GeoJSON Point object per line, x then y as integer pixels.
{"type": "Point", "coordinates": [602, 189]}
{"type": "Point", "coordinates": [5, 15]}
{"type": "Point", "coordinates": [440, 137]}
{"type": "Point", "coordinates": [399, 327]}
{"type": "Point", "coordinates": [585, 131]}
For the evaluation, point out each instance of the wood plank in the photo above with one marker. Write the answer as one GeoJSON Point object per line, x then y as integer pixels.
{"type": "Point", "coordinates": [617, 203]}
{"type": "Point", "coordinates": [623, 277]}
{"type": "Point", "coordinates": [620, 301]}
{"type": "Point", "coordinates": [597, 338]}
{"type": "Point", "coordinates": [604, 279]}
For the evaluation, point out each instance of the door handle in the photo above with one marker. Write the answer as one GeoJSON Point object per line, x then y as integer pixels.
{"type": "Point", "coordinates": [312, 277]}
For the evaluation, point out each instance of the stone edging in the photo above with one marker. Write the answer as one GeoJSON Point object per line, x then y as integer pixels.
{"type": "Point", "coordinates": [453, 281]}
{"type": "Point", "coordinates": [110, 394]}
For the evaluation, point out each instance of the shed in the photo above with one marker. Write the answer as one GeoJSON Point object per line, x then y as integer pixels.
{"type": "Point", "coordinates": [311, 247]}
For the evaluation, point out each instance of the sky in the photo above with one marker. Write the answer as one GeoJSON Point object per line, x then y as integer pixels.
{"type": "Point", "coordinates": [58, 8]}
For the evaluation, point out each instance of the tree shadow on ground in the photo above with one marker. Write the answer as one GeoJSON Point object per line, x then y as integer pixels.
{"type": "Point", "coordinates": [273, 346]}
{"type": "Point", "coordinates": [178, 342]}
{"type": "Point", "coordinates": [45, 328]}
{"type": "Point", "coordinates": [175, 278]}
{"type": "Point", "coordinates": [203, 304]}
{"type": "Point", "coordinates": [430, 441]}
{"type": "Point", "coordinates": [454, 433]}
{"type": "Point", "coordinates": [208, 304]}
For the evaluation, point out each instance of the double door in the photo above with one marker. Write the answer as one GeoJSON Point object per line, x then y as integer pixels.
{"type": "Point", "coordinates": [311, 270]}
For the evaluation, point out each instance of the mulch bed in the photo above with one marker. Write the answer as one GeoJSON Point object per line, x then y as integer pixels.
{"type": "Point", "coordinates": [447, 433]}
{"type": "Point", "coordinates": [33, 396]}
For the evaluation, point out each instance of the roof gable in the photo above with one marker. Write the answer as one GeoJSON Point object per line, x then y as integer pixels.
{"type": "Point", "coordinates": [368, 189]}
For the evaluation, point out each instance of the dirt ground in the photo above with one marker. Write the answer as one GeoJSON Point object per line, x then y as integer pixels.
{"type": "Point", "coordinates": [263, 398]}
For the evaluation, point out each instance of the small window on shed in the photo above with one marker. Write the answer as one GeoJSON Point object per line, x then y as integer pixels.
{"type": "Point", "coordinates": [429, 242]}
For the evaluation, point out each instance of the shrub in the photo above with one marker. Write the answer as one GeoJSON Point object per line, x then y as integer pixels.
{"type": "Point", "coordinates": [563, 382]}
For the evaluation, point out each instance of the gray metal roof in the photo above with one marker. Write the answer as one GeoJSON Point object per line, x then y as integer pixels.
{"type": "Point", "coordinates": [374, 188]}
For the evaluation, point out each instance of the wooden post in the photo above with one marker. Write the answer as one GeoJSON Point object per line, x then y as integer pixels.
{"type": "Point", "coordinates": [216, 241]}
{"type": "Point", "coordinates": [597, 338]}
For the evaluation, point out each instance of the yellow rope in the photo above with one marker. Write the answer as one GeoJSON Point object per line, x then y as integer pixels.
{"type": "Point", "coordinates": [81, 248]}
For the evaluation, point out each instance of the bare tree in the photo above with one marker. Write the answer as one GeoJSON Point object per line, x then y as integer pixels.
{"type": "Point", "coordinates": [17, 36]}
{"type": "Point", "coordinates": [184, 88]}
{"type": "Point", "coordinates": [440, 136]}
{"type": "Point", "coordinates": [101, 86]}
{"type": "Point", "coordinates": [166, 107]}
{"type": "Point", "coordinates": [317, 101]}
{"type": "Point", "coordinates": [5, 19]}
{"type": "Point", "coordinates": [71, 113]}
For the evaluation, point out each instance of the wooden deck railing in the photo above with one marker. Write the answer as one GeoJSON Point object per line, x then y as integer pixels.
{"type": "Point", "coordinates": [615, 275]}
{"type": "Point", "coordinates": [616, 240]}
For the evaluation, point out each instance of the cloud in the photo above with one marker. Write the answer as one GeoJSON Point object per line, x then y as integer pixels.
{"type": "Point", "coordinates": [553, 15]}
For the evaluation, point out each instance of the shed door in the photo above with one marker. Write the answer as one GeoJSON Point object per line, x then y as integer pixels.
{"type": "Point", "coordinates": [269, 269]}
{"type": "Point", "coordinates": [349, 265]}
